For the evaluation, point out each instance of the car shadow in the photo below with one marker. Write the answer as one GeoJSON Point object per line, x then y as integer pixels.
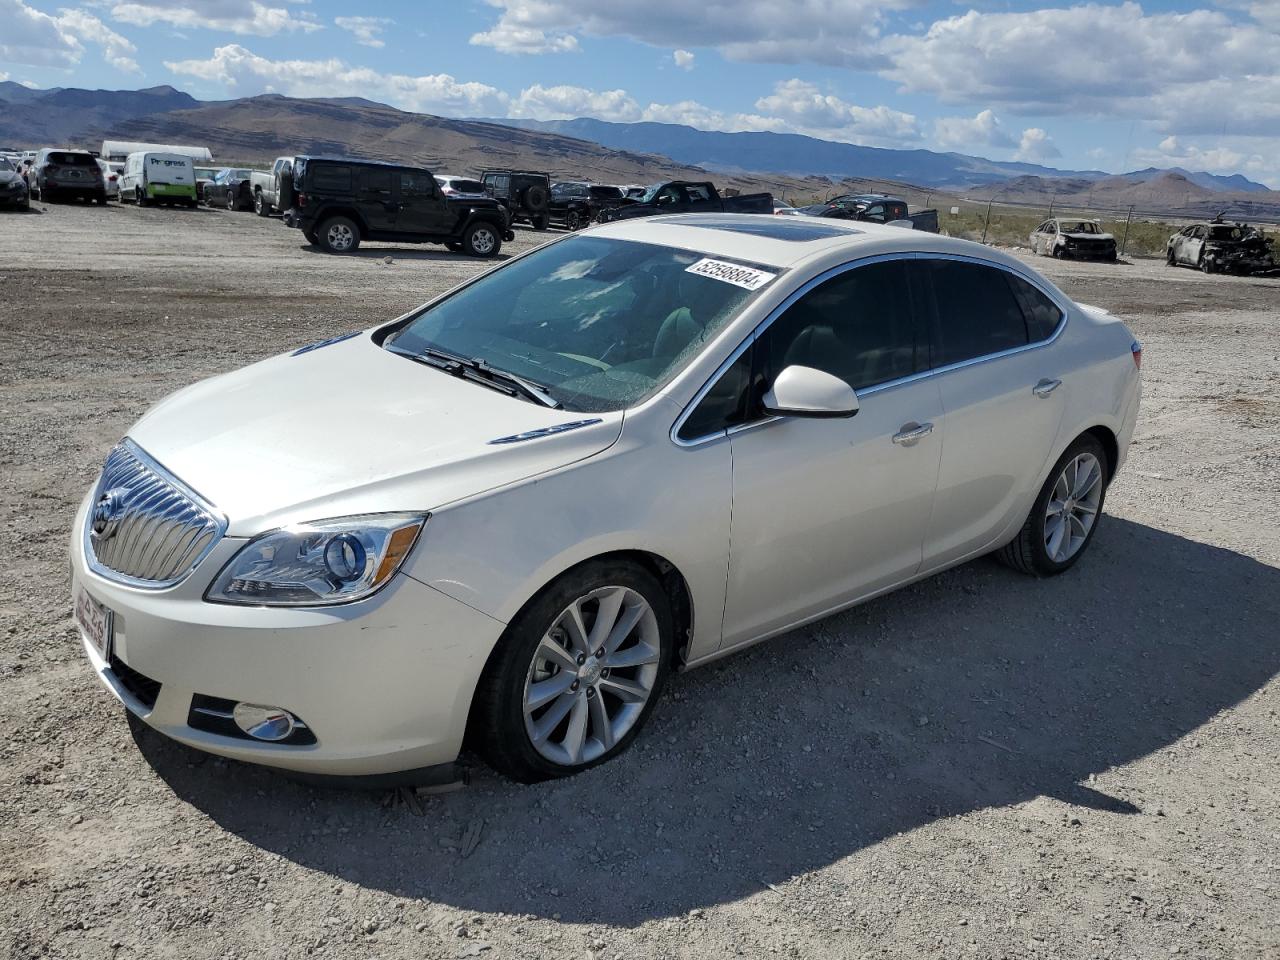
{"type": "Point", "coordinates": [978, 688]}
{"type": "Point", "coordinates": [403, 253]}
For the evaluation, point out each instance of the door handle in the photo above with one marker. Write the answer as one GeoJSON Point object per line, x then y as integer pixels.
{"type": "Point", "coordinates": [912, 432]}
{"type": "Point", "coordinates": [1046, 387]}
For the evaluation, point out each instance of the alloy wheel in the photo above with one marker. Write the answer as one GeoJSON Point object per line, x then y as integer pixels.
{"type": "Point", "coordinates": [591, 675]}
{"type": "Point", "coordinates": [482, 241]}
{"type": "Point", "coordinates": [340, 237]}
{"type": "Point", "coordinates": [1073, 506]}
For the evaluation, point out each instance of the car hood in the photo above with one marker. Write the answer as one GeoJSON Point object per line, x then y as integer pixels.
{"type": "Point", "coordinates": [1089, 236]}
{"type": "Point", "coordinates": [348, 427]}
{"type": "Point", "coordinates": [9, 176]}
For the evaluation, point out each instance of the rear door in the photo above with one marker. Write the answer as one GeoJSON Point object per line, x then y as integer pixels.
{"type": "Point", "coordinates": [423, 209]}
{"type": "Point", "coordinates": [375, 194]}
{"type": "Point", "coordinates": [1003, 390]}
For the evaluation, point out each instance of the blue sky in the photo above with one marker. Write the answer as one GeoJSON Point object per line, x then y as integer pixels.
{"type": "Point", "coordinates": [1109, 84]}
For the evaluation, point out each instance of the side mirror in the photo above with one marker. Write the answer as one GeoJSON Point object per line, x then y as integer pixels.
{"type": "Point", "coordinates": [805, 392]}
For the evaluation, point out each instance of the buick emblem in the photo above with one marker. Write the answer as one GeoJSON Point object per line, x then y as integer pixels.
{"type": "Point", "coordinates": [106, 513]}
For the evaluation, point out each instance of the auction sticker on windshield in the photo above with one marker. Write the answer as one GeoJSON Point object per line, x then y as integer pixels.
{"type": "Point", "coordinates": [95, 621]}
{"type": "Point", "coordinates": [749, 278]}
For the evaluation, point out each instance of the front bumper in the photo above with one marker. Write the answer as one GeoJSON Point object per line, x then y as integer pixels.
{"type": "Point", "coordinates": [13, 198]}
{"type": "Point", "coordinates": [384, 684]}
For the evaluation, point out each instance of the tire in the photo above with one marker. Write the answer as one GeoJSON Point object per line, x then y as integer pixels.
{"type": "Point", "coordinates": [311, 237]}
{"type": "Point", "coordinates": [573, 220]}
{"type": "Point", "coordinates": [339, 235]}
{"type": "Point", "coordinates": [481, 239]}
{"type": "Point", "coordinates": [140, 198]}
{"type": "Point", "coordinates": [231, 201]}
{"type": "Point", "coordinates": [260, 205]}
{"type": "Point", "coordinates": [503, 727]}
{"type": "Point", "coordinates": [101, 198]}
{"type": "Point", "coordinates": [1206, 265]}
{"type": "Point", "coordinates": [1029, 552]}
{"type": "Point", "coordinates": [535, 199]}
{"type": "Point", "coordinates": [1170, 258]}
{"type": "Point", "coordinates": [455, 247]}
{"type": "Point", "coordinates": [540, 221]}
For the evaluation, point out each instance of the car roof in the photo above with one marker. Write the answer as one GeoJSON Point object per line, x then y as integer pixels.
{"type": "Point", "coordinates": [352, 161]}
{"type": "Point", "coordinates": [787, 241]}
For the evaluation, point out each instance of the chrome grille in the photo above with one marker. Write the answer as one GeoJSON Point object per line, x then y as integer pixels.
{"type": "Point", "coordinates": [145, 527]}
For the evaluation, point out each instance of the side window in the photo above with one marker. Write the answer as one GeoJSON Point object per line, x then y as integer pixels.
{"type": "Point", "coordinates": [977, 311]}
{"type": "Point", "coordinates": [416, 185]}
{"type": "Point", "coordinates": [697, 191]}
{"type": "Point", "coordinates": [858, 326]}
{"type": "Point", "coordinates": [376, 183]}
{"type": "Point", "coordinates": [328, 178]}
{"type": "Point", "coordinates": [667, 196]}
{"type": "Point", "coordinates": [874, 213]}
{"type": "Point", "coordinates": [1050, 227]}
{"type": "Point", "coordinates": [1041, 313]}
{"type": "Point", "coordinates": [725, 404]}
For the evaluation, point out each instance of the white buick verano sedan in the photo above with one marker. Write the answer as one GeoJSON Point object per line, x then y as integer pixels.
{"type": "Point", "coordinates": [504, 518]}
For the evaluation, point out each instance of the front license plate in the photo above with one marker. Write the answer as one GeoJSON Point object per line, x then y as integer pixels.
{"type": "Point", "coordinates": [95, 621]}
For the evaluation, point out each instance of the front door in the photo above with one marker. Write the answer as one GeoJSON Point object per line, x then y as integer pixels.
{"type": "Point", "coordinates": [826, 511]}
{"type": "Point", "coordinates": [423, 209]}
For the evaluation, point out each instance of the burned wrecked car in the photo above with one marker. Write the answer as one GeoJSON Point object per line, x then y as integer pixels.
{"type": "Point", "coordinates": [1221, 247]}
{"type": "Point", "coordinates": [1073, 238]}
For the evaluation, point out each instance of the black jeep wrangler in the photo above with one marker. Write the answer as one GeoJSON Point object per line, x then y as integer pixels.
{"type": "Point", "coordinates": [338, 202]}
{"type": "Point", "coordinates": [525, 193]}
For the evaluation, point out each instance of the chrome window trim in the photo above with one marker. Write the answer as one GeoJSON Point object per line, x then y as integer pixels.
{"type": "Point", "coordinates": [782, 307]}
{"type": "Point", "coordinates": [115, 576]}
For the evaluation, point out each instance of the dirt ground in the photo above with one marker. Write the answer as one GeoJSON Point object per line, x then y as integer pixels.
{"type": "Point", "coordinates": [983, 765]}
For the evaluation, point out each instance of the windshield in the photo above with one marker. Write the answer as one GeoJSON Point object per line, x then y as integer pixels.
{"type": "Point", "coordinates": [1079, 226]}
{"type": "Point", "coordinates": [600, 323]}
{"type": "Point", "coordinates": [606, 193]}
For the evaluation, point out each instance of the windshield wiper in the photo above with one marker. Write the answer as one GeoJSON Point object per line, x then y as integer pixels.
{"type": "Point", "coordinates": [479, 371]}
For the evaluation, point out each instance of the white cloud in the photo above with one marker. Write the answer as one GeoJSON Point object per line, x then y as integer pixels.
{"type": "Point", "coordinates": [116, 50]}
{"type": "Point", "coordinates": [245, 73]}
{"type": "Point", "coordinates": [842, 32]}
{"type": "Point", "coordinates": [244, 17]}
{"type": "Point", "coordinates": [683, 59]}
{"type": "Point", "coordinates": [567, 102]}
{"type": "Point", "coordinates": [35, 38]}
{"type": "Point", "coordinates": [1254, 157]}
{"type": "Point", "coordinates": [982, 130]}
{"type": "Point", "coordinates": [806, 109]}
{"type": "Point", "coordinates": [1036, 146]}
{"type": "Point", "coordinates": [366, 30]}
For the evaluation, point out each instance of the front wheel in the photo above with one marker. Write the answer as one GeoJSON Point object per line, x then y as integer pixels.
{"type": "Point", "coordinates": [576, 674]}
{"type": "Point", "coordinates": [1170, 257]}
{"type": "Point", "coordinates": [231, 201]}
{"type": "Point", "coordinates": [1206, 265]}
{"type": "Point", "coordinates": [260, 206]}
{"type": "Point", "coordinates": [481, 240]}
{"type": "Point", "coordinates": [1065, 515]}
{"type": "Point", "coordinates": [339, 235]}
{"type": "Point", "coordinates": [573, 220]}
{"type": "Point", "coordinates": [540, 221]}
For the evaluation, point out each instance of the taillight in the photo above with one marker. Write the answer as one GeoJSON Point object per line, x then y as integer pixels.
{"type": "Point", "coordinates": [302, 200]}
{"type": "Point", "coordinates": [1135, 348]}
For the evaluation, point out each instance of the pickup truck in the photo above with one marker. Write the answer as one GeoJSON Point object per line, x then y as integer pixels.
{"type": "Point", "coordinates": [687, 196]}
{"type": "Point", "coordinates": [273, 189]}
{"type": "Point", "coordinates": [875, 208]}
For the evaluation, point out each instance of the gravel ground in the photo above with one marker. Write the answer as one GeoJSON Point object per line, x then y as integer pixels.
{"type": "Point", "coordinates": [981, 765]}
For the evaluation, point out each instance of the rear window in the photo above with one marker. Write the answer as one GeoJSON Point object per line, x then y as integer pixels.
{"type": "Point", "coordinates": [606, 193]}
{"type": "Point", "coordinates": [330, 177]}
{"type": "Point", "coordinates": [72, 159]}
{"type": "Point", "coordinates": [468, 186]}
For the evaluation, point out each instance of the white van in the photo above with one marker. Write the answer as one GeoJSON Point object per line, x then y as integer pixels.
{"type": "Point", "coordinates": [158, 177]}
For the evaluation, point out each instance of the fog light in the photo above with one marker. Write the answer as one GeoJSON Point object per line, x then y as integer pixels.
{"type": "Point", "coordinates": [263, 723]}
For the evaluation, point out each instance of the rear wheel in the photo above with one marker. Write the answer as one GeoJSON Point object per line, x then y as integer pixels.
{"type": "Point", "coordinates": [576, 674]}
{"type": "Point", "coordinates": [260, 205]}
{"type": "Point", "coordinates": [311, 237]}
{"type": "Point", "coordinates": [573, 220]}
{"type": "Point", "coordinates": [540, 221]}
{"type": "Point", "coordinates": [1170, 257]}
{"type": "Point", "coordinates": [339, 235]}
{"type": "Point", "coordinates": [231, 200]}
{"type": "Point", "coordinates": [1065, 515]}
{"type": "Point", "coordinates": [481, 239]}
{"type": "Point", "coordinates": [1206, 264]}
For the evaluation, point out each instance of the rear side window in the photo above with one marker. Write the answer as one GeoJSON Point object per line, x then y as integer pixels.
{"type": "Point", "coordinates": [417, 185]}
{"type": "Point", "coordinates": [1042, 314]}
{"type": "Point", "coordinates": [331, 178]}
{"type": "Point", "coordinates": [977, 311]}
{"type": "Point", "coordinates": [858, 326]}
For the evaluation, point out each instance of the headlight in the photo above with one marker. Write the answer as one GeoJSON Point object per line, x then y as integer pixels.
{"type": "Point", "coordinates": [316, 564]}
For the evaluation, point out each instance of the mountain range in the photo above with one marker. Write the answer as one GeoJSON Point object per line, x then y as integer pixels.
{"type": "Point", "coordinates": [802, 168]}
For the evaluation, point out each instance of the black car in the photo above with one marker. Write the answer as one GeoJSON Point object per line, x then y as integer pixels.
{"type": "Point", "coordinates": [525, 193]}
{"type": "Point", "coordinates": [230, 188]}
{"type": "Point", "coordinates": [574, 205]}
{"type": "Point", "coordinates": [13, 188]}
{"type": "Point", "coordinates": [338, 202]}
